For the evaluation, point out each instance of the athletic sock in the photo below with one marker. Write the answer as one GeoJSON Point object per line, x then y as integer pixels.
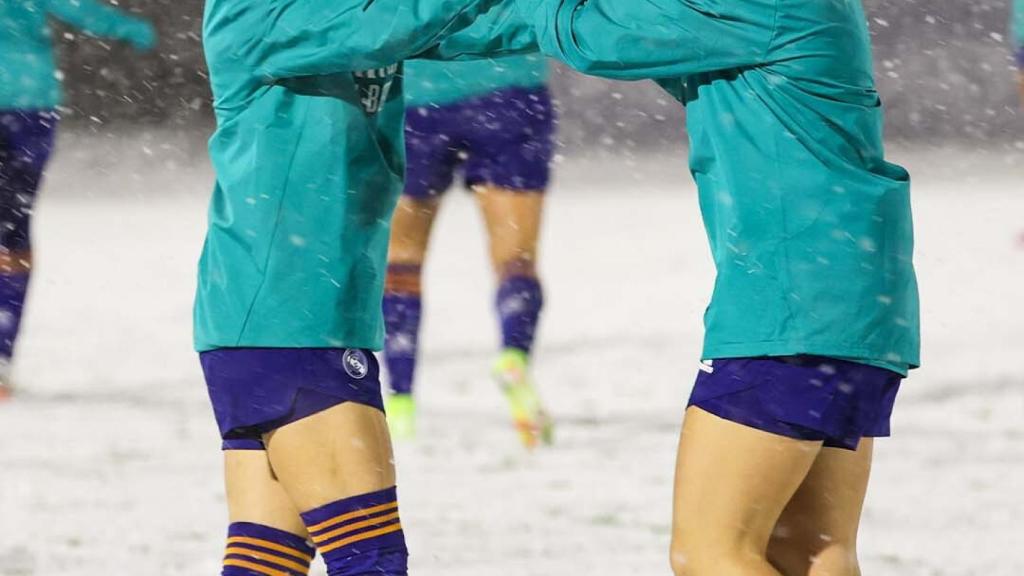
{"type": "Point", "coordinates": [403, 308]}
{"type": "Point", "coordinates": [519, 302]}
{"type": "Point", "coordinates": [360, 536]}
{"type": "Point", "coordinates": [257, 550]}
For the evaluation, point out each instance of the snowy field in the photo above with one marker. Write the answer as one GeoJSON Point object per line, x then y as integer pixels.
{"type": "Point", "coordinates": [109, 463]}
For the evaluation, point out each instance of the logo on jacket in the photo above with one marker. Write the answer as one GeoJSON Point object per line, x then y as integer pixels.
{"type": "Point", "coordinates": [375, 87]}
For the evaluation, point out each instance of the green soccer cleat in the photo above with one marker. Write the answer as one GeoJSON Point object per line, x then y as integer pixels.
{"type": "Point", "coordinates": [401, 414]}
{"type": "Point", "coordinates": [531, 421]}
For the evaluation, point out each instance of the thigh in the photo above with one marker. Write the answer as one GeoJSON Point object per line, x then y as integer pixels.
{"type": "Point", "coordinates": [732, 484]}
{"type": "Point", "coordinates": [513, 220]}
{"type": "Point", "coordinates": [821, 521]}
{"type": "Point", "coordinates": [338, 453]}
{"type": "Point", "coordinates": [255, 495]}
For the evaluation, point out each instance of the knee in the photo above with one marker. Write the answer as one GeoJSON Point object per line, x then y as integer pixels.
{"type": "Point", "coordinates": [714, 557]}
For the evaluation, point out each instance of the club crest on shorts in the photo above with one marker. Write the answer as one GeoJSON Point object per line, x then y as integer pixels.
{"type": "Point", "coordinates": [357, 365]}
{"type": "Point", "coordinates": [375, 87]}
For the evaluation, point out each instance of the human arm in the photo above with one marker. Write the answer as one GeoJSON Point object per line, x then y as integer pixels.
{"type": "Point", "coordinates": [279, 39]}
{"type": "Point", "coordinates": [637, 39]}
{"type": "Point", "coordinates": [100, 19]}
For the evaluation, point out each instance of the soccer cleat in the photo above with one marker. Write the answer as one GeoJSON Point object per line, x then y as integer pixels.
{"type": "Point", "coordinates": [531, 421]}
{"type": "Point", "coordinates": [401, 414]}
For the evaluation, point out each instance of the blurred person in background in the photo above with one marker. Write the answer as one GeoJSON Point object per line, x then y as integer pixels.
{"type": "Point", "coordinates": [492, 122]}
{"type": "Point", "coordinates": [30, 93]}
{"type": "Point", "coordinates": [1017, 33]}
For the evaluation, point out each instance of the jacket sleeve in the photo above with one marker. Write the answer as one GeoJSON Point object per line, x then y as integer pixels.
{"type": "Point", "coordinates": [501, 31]}
{"type": "Point", "coordinates": [279, 39]}
{"type": "Point", "coordinates": [100, 19]}
{"type": "Point", "coordinates": [637, 39]}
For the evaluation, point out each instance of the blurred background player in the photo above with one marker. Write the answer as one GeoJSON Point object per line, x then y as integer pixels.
{"type": "Point", "coordinates": [30, 93]}
{"type": "Point", "coordinates": [492, 122]}
{"type": "Point", "coordinates": [1017, 33]}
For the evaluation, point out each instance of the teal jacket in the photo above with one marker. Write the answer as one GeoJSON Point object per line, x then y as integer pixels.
{"type": "Point", "coordinates": [309, 159]}
{"type": "Point", "coordinates": [430, 83]}
{"type": "Point", "coordinates": [28, 70]}
{"type": "Point", "coordinates": [810, 227]}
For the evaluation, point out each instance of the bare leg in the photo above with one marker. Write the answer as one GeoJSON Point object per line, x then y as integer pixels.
{"type": "Point", "coordinates": [817, 533]}
{"type": "Point", "coordinates": [513, 221]}
{"type": "Point", "coordinates": [341, 452]}
{"type": "Point", "coordinates": [266, 534]}
{"type": "Point", "coordinates": [410, 237]}
{"type": "Point", "coordinates": [255, 495]}
{"type": "Point", "coordinates": [410, 230]}
{"type": "Point", "coordinates": [732, 484]}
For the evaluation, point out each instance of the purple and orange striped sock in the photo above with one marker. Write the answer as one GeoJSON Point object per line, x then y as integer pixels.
{"type": "Point", "coordinates": [360, 535]}
{"type": "Point", "coordinates": [257, 550]}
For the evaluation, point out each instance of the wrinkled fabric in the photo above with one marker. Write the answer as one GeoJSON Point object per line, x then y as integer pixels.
{"type": "Point", "coordinates": [810, 227]}
{"type": "Point", "coordinates": [432, 83]}
{"type": "Point", "coordinates": [309, 159]}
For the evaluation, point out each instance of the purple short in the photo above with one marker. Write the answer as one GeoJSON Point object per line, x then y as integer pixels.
{"type": "Point", "coordinates": [257, 390]}
{"type": "Point", "coordinates": [504, 138]}
{"type": "Point", "coordinates": [1020, 58]}
{"type": "Point", "coordinates": [804, 397]}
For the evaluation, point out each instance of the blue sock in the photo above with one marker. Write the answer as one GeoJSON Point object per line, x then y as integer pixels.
{"type": "Point", "coordinates": [520, 300]}
{"type": "Point", "coordinates": [361, 535]}
{"type": "Point", "coordinates": [257, 550]}
{"type": "Point", "coordinates": [13, 287]}
{"type": "Point", "coordinates": [403, 308]}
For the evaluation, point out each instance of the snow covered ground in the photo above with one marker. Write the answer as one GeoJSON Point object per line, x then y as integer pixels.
{"type": "Point", "coordinates": [109, 463]}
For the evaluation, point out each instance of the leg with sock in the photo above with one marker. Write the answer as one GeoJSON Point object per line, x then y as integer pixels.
{"type": "Point", "coordinates": [337, 467]}
{"type": "Point", "coordinates": [513, 223]}
{"type": "Point", "coordinates": [403, 307]}
{"type": "Point", "coordinates": [259, 550]}
{"type": "Point", "coordinates": [306, 442]}
{"type": "Point", "coordinates": [266, 536]}
{"type": "Point", "coordinates": [360, 535]}
{"type": "Point", "coordinates": [26, 141]}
